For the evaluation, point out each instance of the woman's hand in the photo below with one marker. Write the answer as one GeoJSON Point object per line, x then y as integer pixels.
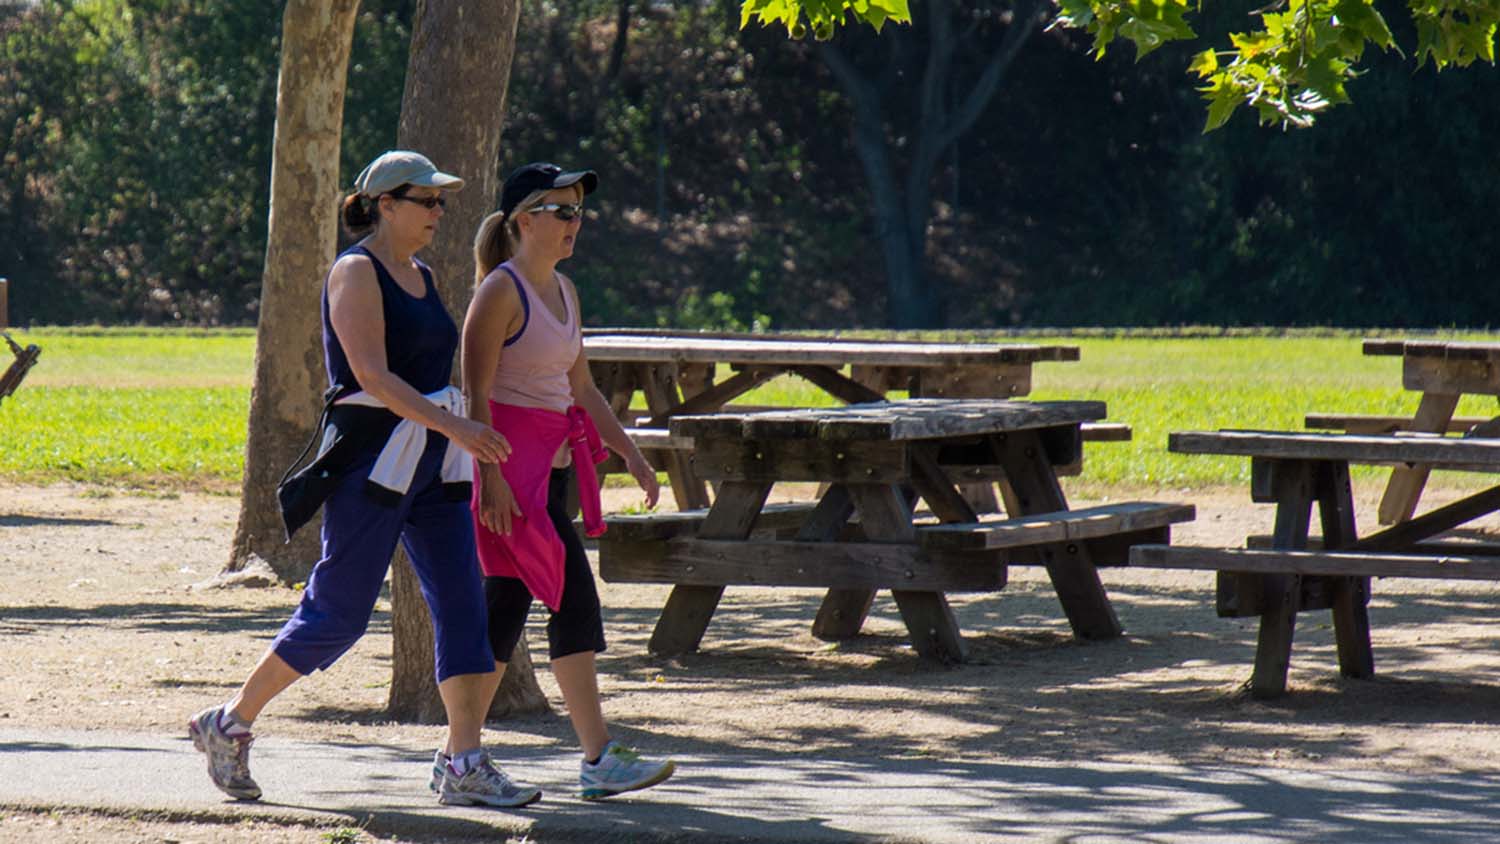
{"type": "Point", "coordinates": [645, 475]}
{"type": "Point", "coordinates": [481, 441]}
{"type": "Point", "coordinates": [497, 504]}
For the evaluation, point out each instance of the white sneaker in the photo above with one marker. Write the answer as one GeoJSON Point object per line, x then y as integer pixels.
{"type": "Point", "coordinates": [439, 769]}
{"type": "Point", "coordinates": [485, 785]}
{"type": "Point", "coordinates": [618, 770]}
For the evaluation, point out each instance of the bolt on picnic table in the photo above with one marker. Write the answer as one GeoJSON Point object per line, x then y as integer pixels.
{"type": "Point", "coordinates": [863, 533]}
{"type": "Point", "coordinates": [675, 372]}
{"type": "Point", "coordinates": [1296, 573]}
{"type": "Point", "coordinates": [1443, 371]}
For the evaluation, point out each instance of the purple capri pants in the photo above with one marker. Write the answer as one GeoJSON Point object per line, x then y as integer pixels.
{"type": "Point", "coordinates": [359, 537]}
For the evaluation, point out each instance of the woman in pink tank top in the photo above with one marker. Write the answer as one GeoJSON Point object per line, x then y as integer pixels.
{"type": "Point", "coordinates": [525, 374]}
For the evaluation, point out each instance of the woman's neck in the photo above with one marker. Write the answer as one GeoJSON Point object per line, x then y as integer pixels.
{"type": "Point", "coordinates": [385, 246]}
{"type": "Point", "coordinates": [537, 270]}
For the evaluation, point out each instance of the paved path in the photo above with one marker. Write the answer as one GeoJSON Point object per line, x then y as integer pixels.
{"type": "Point", "coordinates": [756, 797]}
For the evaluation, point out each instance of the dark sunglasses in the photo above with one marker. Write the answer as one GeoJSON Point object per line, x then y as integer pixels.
{"type": "Point", "coordinates": [561, 212]}
{"type": "Point", "coordinates": [428, 202]}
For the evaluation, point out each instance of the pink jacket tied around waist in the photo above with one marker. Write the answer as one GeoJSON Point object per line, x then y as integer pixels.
{"type": "Point", "coordinates": [533, 551]}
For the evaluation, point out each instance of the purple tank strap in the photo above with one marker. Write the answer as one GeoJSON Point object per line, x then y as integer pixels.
{"type": "Point", "coordinates": [525, 305]}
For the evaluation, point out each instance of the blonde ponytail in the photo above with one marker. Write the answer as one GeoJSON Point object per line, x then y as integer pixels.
{"type": "Point", "coordinates": [499, 237]}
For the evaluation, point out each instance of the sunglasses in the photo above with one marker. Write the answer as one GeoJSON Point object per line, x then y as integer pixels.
{"type": "Point", "coordinates": [428, 202]}
{"type": "Point", "coordinates": [561, 212]}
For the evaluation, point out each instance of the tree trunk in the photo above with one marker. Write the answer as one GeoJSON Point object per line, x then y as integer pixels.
{"type": "Point", "coordinates": [902, 206]}
{"type": "Point", "coordinates": [284, 403]}
{"type": "Point", "coordinates": [452, 111]}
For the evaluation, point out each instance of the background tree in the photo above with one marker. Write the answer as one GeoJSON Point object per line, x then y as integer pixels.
{"type": "Point", "coordinates": [452, 110]}
{"type": "Point", "coordinates": [303, 230]}
{"type": "Point", "coordinates": [920, 91]}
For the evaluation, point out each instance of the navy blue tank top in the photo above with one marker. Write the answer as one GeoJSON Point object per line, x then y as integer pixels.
{"type": "Point", "coordinates": [420, 336]}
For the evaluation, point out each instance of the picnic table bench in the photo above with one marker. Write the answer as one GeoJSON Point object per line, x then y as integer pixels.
{"type": "Point", "coordinates": [864, 533]}
{"type": "Point", "coordinates": [23, 358]}
{"type": "Point", "coordinates": [1442, 371]}
{"type": "Point", "coordinates": [677, 373]}
{"type": "Point", "coordinates": [1288, 573]}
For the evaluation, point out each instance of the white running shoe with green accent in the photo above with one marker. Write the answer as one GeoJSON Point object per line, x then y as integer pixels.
{"type": "Point", "coordinates": [439, 769]}
{"type": "Point", "coordinates": [485, 785]}
{"type": "Point", "coordinates": [228, 756]}
{"type": "Point", "coordinates": [618, 770]}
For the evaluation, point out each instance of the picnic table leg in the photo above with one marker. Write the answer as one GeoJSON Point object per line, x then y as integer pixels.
{"type": "Point", "coordinates": [1031, 487]}
{"type": "Point", "coordinates": [843, 611]}
{"type": "Point", "coordinates": [1405, 486]}
{"type": "Point", "coordinates": [659, 385]}
{"type": "Point", "coordinates": [1351, 595]}
{"type": "Point", "coordinates": [1290, 484]}
{"type": "Point", "coordinates": [689, 609]}
{"type": "Point", "coordinates": [885, 516]}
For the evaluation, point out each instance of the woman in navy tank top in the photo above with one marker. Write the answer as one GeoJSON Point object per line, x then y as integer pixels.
{"type": "Point", "coordinates": [394, 465]}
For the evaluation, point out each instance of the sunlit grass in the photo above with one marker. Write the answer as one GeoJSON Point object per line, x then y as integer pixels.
{"type": "Point", "coordinates": [168, 407]}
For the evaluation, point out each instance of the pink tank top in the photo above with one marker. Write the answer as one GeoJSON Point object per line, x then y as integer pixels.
{"type": "Point", "coordinates": [533, 369]}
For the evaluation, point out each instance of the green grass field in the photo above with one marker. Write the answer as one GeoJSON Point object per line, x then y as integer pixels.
{"type": "Point", "coordinates": [167, 408]}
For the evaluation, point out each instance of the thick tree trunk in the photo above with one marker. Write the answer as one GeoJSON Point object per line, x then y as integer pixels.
{"type": "Point", "coordinates": [316, 36]}
{"type": "Point", "coordinates": [452, 112]}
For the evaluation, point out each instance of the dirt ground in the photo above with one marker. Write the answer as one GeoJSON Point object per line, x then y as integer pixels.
{"type": "Point", "coordinates": [101, 627]}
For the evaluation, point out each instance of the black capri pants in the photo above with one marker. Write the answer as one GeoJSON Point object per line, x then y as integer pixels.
{"type": "Point", "coordinates": [578, 624]}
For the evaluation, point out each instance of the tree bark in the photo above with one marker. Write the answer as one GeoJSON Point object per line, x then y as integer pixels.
{"type": "Point", "coordinates": [452, 111]}
{"type": "Point", "coordinates": [284, 403]}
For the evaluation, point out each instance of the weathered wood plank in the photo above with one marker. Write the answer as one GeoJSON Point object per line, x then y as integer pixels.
{"type": "Point", "coordinates": [1440, 452]}
{"type": "Point", "coordinates": [690, 608]}
{"type": "Point", "coordinates": [1406, 483]}
{"type": "Point", "coordinates": [1106, 432]}
{"type": "Point", "coordinates": [756, 562]}
{"type": "Point", "coordinates": [1351, 595]}
{"type": "Point", "coordinates": [648, 526]}
{"type": "Point", "coordinates": [1443, 349]}
{"type": "Point", "coordinates": [801, 460]}
{"type": "Point", "coordinates": [1363, 423]}
{"type": "Point", "coordinates": [1321, 563]}
{"type": "Point", "coordinates": [834, 353]}
{"type": "Point", "coordinates": [1294, 491]}
{"type": "Point", "coordinates": [936, 488]}
{"type": "Point", "coordinates": [658, 438]}
{"type": "Point", "coordinates": [658, 383]}
{"type": "Point", "coordinates": [843, 611]}
{"type": "Point", "coordinates": [1440, 375]}
{"type": "Point", "coordinates": [1031, 487]}
{"type": "Point", "coordinates": [711, 398]}
{"type": "Point", "coordinates": [909, 419]}
{"type": "Point", "coordinates": [885, 516]}
{"type": "Point", "coordinates": [1061, 526]}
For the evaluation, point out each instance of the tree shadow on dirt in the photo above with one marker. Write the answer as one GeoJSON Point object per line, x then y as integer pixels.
{"type": "Point", "coordinates": [21, 521]}
{"type": "Point", "coordinates": [152, 616]}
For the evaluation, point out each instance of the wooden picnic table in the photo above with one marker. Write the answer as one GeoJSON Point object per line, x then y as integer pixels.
{"type": "Point", "coordinates": [1442, 371]}
{"type": "Point", "coordinates": [1278, 576]}
{"type": "Point", "coordinates": [863, 533]}
{"type": "Point", "coordinates": [22, 358]}
{"type": "Point", "coordinates": [678, 373]}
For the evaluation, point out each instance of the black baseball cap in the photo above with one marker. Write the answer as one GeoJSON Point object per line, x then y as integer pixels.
{"type": "Point", "coordinates": [530, 178]}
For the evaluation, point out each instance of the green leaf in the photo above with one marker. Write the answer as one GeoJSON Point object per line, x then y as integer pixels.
{"type": "Point", "coordinates": [1205, 64]}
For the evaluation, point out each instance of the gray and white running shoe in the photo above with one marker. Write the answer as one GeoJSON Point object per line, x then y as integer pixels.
{"type": "Point", "coordinates": [618, 770]}
{"type": "Point", "coordinates": [485, 785]}
{"type": "Point", "coordinates": [228, 756]}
